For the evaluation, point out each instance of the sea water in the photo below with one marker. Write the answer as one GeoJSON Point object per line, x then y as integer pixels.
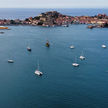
{"type": "Point", "coordinates": [62, 85]}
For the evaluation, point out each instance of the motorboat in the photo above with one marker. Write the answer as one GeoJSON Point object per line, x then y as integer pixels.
{"type": "Point", "coordinates": [10, 61]}
{"type": "Point", "coordinates": [75, 64]}
{"type": "Point", "coordinates": [29, 49]}
{"type": "Point", "coordinates": [72, 47]}
{"type": "Point", "coordinates": [104, 46]}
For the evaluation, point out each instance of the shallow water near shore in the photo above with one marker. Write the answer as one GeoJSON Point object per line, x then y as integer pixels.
{"type": "Point", "coordinates": [61, 85]}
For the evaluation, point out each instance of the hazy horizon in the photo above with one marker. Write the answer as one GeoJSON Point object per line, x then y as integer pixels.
{"type": "Point", "coordinates": [54, 7]}
{"type": "Point", "coordinates": [53, 4]}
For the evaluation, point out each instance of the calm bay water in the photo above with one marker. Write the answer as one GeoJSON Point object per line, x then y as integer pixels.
{"type": "Point", "coordinates": [61, 86]}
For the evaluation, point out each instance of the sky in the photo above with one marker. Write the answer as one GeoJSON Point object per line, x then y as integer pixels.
{"type": "Point", "coordinates": [53, 3]}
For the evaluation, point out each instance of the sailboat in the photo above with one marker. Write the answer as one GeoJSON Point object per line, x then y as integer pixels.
{"type": "Point", "coordinates": [82, 57]}
{"type": "Point", "coordinates": [38, 72]}
{"type": "Point", "coordinates": [47, 44]}
{"type": "Point", "coordinates": [29, 49]}
{"type": "Point", "coordinates": [75, 64]}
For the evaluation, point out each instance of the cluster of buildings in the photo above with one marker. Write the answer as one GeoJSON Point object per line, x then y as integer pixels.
{"type": "Point", "coordinates": [53, 18]}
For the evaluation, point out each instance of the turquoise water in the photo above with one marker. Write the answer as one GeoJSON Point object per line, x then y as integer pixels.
{"type": "Point", "coordinates": [62, 85]}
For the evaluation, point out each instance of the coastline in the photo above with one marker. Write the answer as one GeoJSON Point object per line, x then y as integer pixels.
{"type": "Point", "coordinates": [54, 18]}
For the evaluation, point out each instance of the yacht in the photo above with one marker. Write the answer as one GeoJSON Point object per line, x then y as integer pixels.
{"type": "Point", "coordinates": [29, 49]}
{"type": "Point", "coordinates": [104, 46]}
{"type": "Point", "coordinates": [10, 61]}
{"type": "Point", "coordinates": [37, 72]}
{"type": "Point", "coordinates": [72, 47]}
{"type": "Point", "coordinates": [75, 64]}
{"type": "Point", "coordinates": [47, 44]}
{"type": "Point", "coordinates": [82, 57]}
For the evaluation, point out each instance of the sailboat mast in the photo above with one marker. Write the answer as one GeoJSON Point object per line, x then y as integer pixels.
{"type": "Point", "coordinates": [75, 59]}
{"type": "Point", "coordinates": [38, 66]}
{"type": "Point", "coordinates": [82, 53]}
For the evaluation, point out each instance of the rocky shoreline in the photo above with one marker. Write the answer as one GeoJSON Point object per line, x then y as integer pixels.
{"type": "Point", "coordinates": [54, 18]}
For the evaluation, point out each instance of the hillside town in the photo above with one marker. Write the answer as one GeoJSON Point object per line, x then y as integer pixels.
{"type": "Point", "coordinates": [54, 18]}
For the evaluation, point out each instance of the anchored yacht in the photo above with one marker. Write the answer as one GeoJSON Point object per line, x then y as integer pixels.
{"type": "Point", "coordinates": [10, 61]}
{"type": "Point", "coordinates": [104, 46]}
{"type": "Point", "coordinates": [72, 47]}
{"type": "Point", "coordinates": [75, 64]}
{"type": "Point", "coordinates": [29, 49]}
{"type": "Point", "coordinates": [47, 44]}
{"type": "Point", "coordinates": [37, 72]}
{"type": "Point", "coordinates": [82, 57]}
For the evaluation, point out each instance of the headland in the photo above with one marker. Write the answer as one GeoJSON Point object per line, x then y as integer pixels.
{"type": "Point", "coordinates": [54, 18]}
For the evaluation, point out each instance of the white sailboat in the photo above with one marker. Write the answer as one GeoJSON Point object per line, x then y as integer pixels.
{"type": "Point", "coordinates": [82, 57]}
{"type": "Point", "coordinates": [75, 64]}
{"type": "Point", "coordinates": [38, 72]}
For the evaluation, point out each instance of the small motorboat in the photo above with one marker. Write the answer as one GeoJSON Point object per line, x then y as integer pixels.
{"type": "Point", "coordinates": [10, 61]}
{"type": "Point", "coordinates": [3, 27]}
{"type": "Point", "coordinates": [104, 46]}
{"type": "Point", "coordinates": [37, 72]}
{"type": "Point", "coordinates": [72, 47]}
{"type": "Point", "coordinates": [47, 44]}
{"type": "Point", "coordinates": [29, 49]}
{"type": "Point", "coordinates": [75, 64]}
